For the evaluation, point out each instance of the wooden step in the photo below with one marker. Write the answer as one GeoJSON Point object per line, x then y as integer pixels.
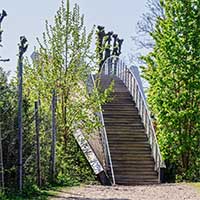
{"type": "Point", "coordinates": [137, 172]}
{"type": "Point", "coordinates": [121, 113]}
{"type": "Point", "coordinates": [138, 159]}
{"type": "Point", "coordinates": [126, 130]}
{"type": "Point", "coordinates": [136, 144]}
{"type": "Point", "coordinates": [136, 176]}
{"type": "Point", "coordinates": [119, 107]}
{"type": "Point", "coordinates": [137, 182]}
{"type": "Point", "coordinates": [126, 141]}
{"type": "Point", "coordinates": [124, 135]}
{"type": "Point", "coordinates": [130, 148]}
{"type": "Point", "coordinates": [113, 117]}
{"type": "Point", "coordinates": [135, 165]}
{"type": "Point", "coordinates": [127, 121]}
{"type": "Point", "coordinates": [124, 126]}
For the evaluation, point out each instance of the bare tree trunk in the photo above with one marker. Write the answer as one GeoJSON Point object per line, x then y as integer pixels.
{"type": "Point", "coordinates": [1, 162]}
{"type": "Point", "coordinates": [37, 131]}
{"type": "Point", "coordinates": [53, 145]}
{"type": "Point", "coordinates": [20, 136]}
{"type": "Point", "coordinates": [22, 49]}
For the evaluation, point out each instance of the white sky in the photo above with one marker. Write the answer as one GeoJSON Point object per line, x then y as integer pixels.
{"type": "Point", "coordinates": [27, 18]}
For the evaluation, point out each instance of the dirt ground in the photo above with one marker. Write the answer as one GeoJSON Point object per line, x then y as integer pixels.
{"type": "Point", "coordinates": [153, 192]}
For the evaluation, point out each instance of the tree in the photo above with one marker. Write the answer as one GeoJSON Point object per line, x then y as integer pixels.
{"type": "Point", "coordinates": [8, 127]}
{"type": "Point", "coordinates": [145, 26]}
{"type": "Point", "coordinates": [173, 74]}
{"type": "Point", "coordinates": [64, 63]}
{"type": "Point", "coordinates": [7, 121]}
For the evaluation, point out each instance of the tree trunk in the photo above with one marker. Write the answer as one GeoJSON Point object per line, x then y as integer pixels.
{"type": "Point", "coordinates": [53, 145]}
{"type": "Point", "coordinates": [20, 136]}
{"type": "Point", "coordinates": [39, 182]}
{"type": "Point", "coordinates": [1, 162]}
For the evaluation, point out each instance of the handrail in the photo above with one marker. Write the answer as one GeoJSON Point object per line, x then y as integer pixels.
{"type": "Point", "coordinates": [115, 66]}
{"type": "Point", "coordinates": [105, 138]}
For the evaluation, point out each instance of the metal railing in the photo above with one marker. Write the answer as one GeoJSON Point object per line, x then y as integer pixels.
{"type": "Point", "coordinates": [116, 67]}
{"type": "Point", "coordinates": [106, 149]}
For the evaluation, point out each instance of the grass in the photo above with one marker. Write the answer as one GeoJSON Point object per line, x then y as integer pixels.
{"type": "Point", "coordinates": [34, 193]}
{"type": "Point", "coordinates": [43, 194]}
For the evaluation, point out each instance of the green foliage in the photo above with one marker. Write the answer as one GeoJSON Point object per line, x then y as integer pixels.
{"type": "Point", "coordinates": [173, 74]}
{"type": "Point", "coordinates": [64, 64]}
{"type": "Point", "coordinates": [31, 192]}
{"type": "Point", "coordinates": [8, 126]}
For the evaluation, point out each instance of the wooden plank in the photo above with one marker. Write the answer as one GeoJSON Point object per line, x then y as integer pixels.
{"type": "Point", "coordinates": [88, 152]}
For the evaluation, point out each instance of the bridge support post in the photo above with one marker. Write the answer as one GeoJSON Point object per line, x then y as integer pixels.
{"type": "Point", "coordinates": [162, 175]}
{"type": "Point", "coordinates": [104, 179]}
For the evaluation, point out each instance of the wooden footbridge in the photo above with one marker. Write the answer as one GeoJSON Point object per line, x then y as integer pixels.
{"type": "Point", "coordinates": [131, 151]}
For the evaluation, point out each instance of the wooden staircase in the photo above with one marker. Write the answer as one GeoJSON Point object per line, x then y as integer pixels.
{"type": "Point", "coordinates": [132, 160]}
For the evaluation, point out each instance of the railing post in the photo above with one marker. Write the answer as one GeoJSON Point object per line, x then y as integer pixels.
{"type": "Point", "coordinates": [145, 117]}
{"type": "Point", "coordinates": [130, 85]}
{"type": "Point", "coordinates": [133, 89]}
{"type": "Point", "coordinates": [118, 67]}
{"type": "Point", "coordinates": [136, 96]}
{"type": "Point", "coordinates": [139, 103]}
{"type": "Point", "coordinates": [112, 66]}
{"type": "Point", "coordinates": [106, 68]}
{"type": "Point", "coordinates": [148, 127]}
{"type": "Point", "coordinates": [123, 73]}
{"type": "Point", "coordinates": [156, 157]}
{"type": "Point", "coordinates": [141, 106]}
{"type": "Point", "coordinates": [127, 79]}
{"type": "Point", "coordinates": [125, 76]}
{"type": "Point", "coordinates": [142, 114]}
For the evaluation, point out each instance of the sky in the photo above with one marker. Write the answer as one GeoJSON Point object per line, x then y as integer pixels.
{"type": "Point", "coordinates": [27, 18]}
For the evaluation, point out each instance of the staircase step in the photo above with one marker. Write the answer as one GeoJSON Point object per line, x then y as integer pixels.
{"type": "Point", "coordinates": [120, 100]}
{"type": "Point", "coordinates": [125, 121]}
{"type": "Point", "coordinates": [127, 129]}
{"type": "Point", "coordinates": [130, 148]}
{"type": "Point", "coordinates": [135, 144]}
{"type": "Point", "coordinates": [124, 125]}
{"type": "Point", "coordinates": [121, 108]}
{"type": "Point", "coordinates": [126, 142]}
{"type": "Point", "coordinates": [121, 113]}
{"type": "Point", "coordinates": [133, 156]}
{"type": "Point", "coordinates": [125, 135]}
{"type": "Point", "coordinates": [136, 176]}
{"type": "Point", "coordinates": [138, 159]}
{"type": "Point", "coordinates": [111, 116]}
{"type": "Point", "coordinates": [135, 165]}
{"type": "Point", "coordinates": [137, 182]}
{"type": "Point", "coordinates": [136, 172]}
{"type": "Point", "coordinates": [119, 134]}
{"type": "Point", "coordinates": [114, 105]}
